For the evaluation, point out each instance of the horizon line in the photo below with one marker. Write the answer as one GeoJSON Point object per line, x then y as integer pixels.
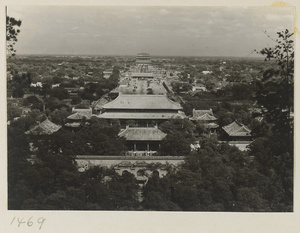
{"type": "Point", "coordinates": [128, 55]}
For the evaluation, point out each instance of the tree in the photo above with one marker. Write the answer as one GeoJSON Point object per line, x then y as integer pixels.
{"type": "Point", "coordinates": [59, 93]}
{"type": "Point", "coordinates": [179, 137]}
{"type": "Point", "coordinates": [12, 32]}
{"type": "Point", "coordinates": [276, 89]}
{"type": "Point", "coordinates": [59, 116]}
{"type": "Point", "coordinates": [241, 91]}
{"type": "Point", "coordinates": [175, 145]}
{"type": "Point", "coordinates": [275, 93]}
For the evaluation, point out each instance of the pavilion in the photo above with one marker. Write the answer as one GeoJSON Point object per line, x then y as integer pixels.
{"type": "Point", "coordinates": [77, 116]}
{"type": "Point", "coordinates": [207, 118]}
{"type": "Point", "coordinates": [237, 132]}
{"type": "Point", "coordinates": [142, 141]}
{"type": "Point", "coordinates": [45, 128]}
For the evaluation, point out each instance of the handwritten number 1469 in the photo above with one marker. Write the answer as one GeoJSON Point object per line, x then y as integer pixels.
{"type": "Point", "coordinates": [29, 222]}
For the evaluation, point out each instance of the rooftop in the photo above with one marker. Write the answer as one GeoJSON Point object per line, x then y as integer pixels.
{"type": "Point", "coordinates": [80, 113]}
{"type": "Point", "coordinates": [142, 75]}
{"type": "Point", "coordinates": [237, 129]}
{"type": "Point", "coordinates": [142, 134]}
{"type": "Point", "coordinates": [212, 126]}
{"type": "Point", "coordinates": [97, 105]}
{"type": "Point", "coordinates": [73, 124]}
{"type": "Point", "coordinates": [45, 128]}
{"type": "Point", "coordinates": [141, 115]}
{"type": "Point", "coordinates": [203, 115]}
{"type": "Point", "coordinates": [158, 102]}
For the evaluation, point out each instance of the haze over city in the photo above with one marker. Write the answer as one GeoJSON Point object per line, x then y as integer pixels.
{"type": "Point", "coordinates": [160, 31]}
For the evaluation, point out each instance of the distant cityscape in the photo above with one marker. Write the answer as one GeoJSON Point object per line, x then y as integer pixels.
{"type": "Point", "coordinates": [140, 120]}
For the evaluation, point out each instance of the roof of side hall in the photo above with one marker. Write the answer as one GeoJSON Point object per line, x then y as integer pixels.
{"type": "Point", "coordinates": [204, 115]}
{"type": "Point", "coordinates": [237, 129]}
{"type": "Point", "coordinates": [46, 127]}
{"type": "Point", "coordinates": [159, 102]}
{"type": "Point", "coordinates": [142, 115]}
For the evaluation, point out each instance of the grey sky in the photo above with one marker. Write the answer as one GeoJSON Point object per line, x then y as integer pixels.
{"type": "Point", "coordinates": [180, 31]}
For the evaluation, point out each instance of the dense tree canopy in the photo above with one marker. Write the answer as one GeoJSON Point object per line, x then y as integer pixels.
{"type": "Point", "coordinates": [275, 151]}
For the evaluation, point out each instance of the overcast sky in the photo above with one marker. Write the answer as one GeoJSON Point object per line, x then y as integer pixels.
{"type": "Point", "coordinates": [166, 31]}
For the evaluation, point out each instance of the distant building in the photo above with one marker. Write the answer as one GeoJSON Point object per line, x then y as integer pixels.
{"type": "Point", "coordinates": [72, 125]}
{"type": "Point", "coordinates": [195, 146]}
{"type": "Point", "coordinates": [145, 109]}
{"type": "Point", "coordinates": [143, 58]}
{"type": "Point", "coordinates": [142, 75]}
{"type": "Point", "coordinates": [207, 118]}
{"type": "Point", "coordinates": [206, 72]}
{"type": "Point", "coordinates": [45, 128]}
{"type": "Point", "coordinates": [241, 145]}
{"type": "Point", "coordinates": [107, 74]}
{"type": "Point", "coordinates": [25, 110]}
{"type": "Point", "coordinates": [199, 87]}
{"type": "Point", "coordinates": [37, 84]}
{"type": "Point", "coordinates": [55, 85]}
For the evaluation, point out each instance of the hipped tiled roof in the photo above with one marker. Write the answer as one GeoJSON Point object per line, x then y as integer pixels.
{"type": "Point", "coordinates": [142, 134]}
{"type": "Point", "coordinates": [141, 115]}
{"type": "Point", "coordinates": [160, 102]}
{"type": "Point", "coordinates": [142, 75]}
{"type": "Point", "coordinates": [73, 124]}
{"type": "Point", "coordinates": [45, 128]}
{"type": "Point", "coordinates": [203, 115]}
{"type": "Point", "coordinates": [237, 129]}
{"type": "Point", "coordinates": [80, 113]}
{"type": "Point", "coordinates": [212, 125]}
{"type": "Point", "coordinates": [97, 105]}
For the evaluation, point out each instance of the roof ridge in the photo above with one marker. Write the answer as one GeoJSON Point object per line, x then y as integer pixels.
{"type": "Point", "coordinates": [173, 102]}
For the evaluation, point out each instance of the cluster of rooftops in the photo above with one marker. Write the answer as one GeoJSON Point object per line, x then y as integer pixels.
{"type": "Point", "coordinates": [142, 107]}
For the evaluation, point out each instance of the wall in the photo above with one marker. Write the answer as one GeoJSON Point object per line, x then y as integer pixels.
{"type": "Point", "coordinates": [87, 161]}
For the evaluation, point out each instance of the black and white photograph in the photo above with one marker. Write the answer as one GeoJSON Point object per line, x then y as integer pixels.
{"type": "Point", "coordinates": [149, 109]}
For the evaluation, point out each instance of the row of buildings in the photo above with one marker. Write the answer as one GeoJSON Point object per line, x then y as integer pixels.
{"type": "Point", "coordinates": [146, 112]}
{"type": "Point", "coordinates": [139, 116]}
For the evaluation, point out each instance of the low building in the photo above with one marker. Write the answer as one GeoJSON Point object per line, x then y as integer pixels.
{"type": "Point", "coordinates": [203, 115]}
{"type": "Point", "coordinates": [237, 132]}
{"type": "Point", "coordinates": [45, 128]}
{"type": "Point", "coordinates": [107, 74]}
{"type": "Point", "coordinates": [78, 114]}
{"type": "Point", "coordinates": [73, 125]}
{"type": "Point", "coordinates": [142, 75]}
{"type": "Point", "coordinates": [142, 141]}
{"type": "Point", "coordinates": [25, 110]}
{"type": "Point", "coordinates": [198, 87]}
{"type": "Point", "coordinates": [55, 85]}
{"type": "Point", "coordinates": [37, 84]}
{"type": "Point", "coordinates": [241, 145]}
{"type": "Point", "coordinates": [207, 118]}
